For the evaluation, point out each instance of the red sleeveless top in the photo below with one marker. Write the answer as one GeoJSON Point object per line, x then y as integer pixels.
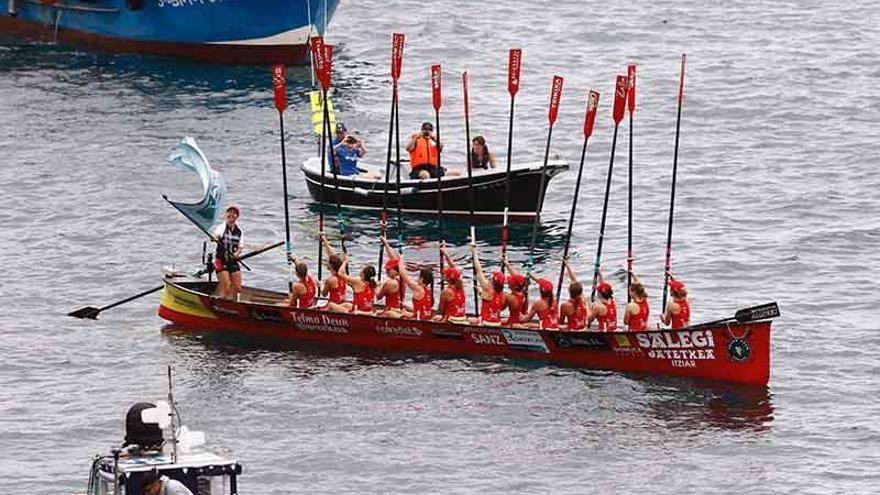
{"type": "Point", "coordinates": [490, 311]}
{"type": "Point", "coordinates": [549, 317]}
{"type": "Point", "coordinates": [516, 313]}
{"type": "Point", "coordinates": [363, 300]}
{"type": "Point", "coordinates": [639, 321]}
{"type": "Point", "coordinates": [337, 295]}
{"type": "Point", "coordinates": [608, 321]}
{"type": "Point", "coordinates": [308, 299]}
{"type": "Point", "coordinates": [455, 307]}
{"type": "Point", "coordinates": [423, 309]}
{"type": "Point", "coordinates": [578, 319]}
{"type": "Point", "coordinates": [683, 318]}
{"type": "Point", "coordinates": [392, 301]}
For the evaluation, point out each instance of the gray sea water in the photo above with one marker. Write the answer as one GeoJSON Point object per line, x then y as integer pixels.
{"type": "Point", "coordinates": [777, 200]}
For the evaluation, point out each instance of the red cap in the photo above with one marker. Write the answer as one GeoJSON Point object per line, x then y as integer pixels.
{"type": "Point", "coordinates": [516, 279]}
{"type": "Point", "coordinates": [452, 274]}
{"type": "Point", "coordinates": [235, 207]}
{"type": "Point", "coordinates": [545, 285]}
{"type": "Point", "coordinates": [497, 278]}
{"type": "Point", "coordinates": [392, 264]}
{"type": "Point", "coordinates": [603, 288]}
{"type": "Point", "coordinates": [675, 285]}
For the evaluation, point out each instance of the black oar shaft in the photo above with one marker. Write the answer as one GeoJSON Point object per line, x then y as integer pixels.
{"type": "Point", "coordinates": [577, 190]}
{"type": "Point", "coordinates": [604, 216]}
{"type": "Point", "coordinates": [288, 247]}
{"type": "Point", "coordinates": [668, 264]}
{"type": "Point", "coordinates": [383, 224]}
{"type": "Point", "coordinates": [504, 226]}
{"type": "Point", "coordinates": [439, 190]}
{"type": "Point", "coordinates": [324, 137]}
{"type": "Point", "coordinates": [334, 169]}
{"type": "Point", "coordinates": [629, 215]}
{"type": "Point", "coordinates": [467, 134]}
{"type": "Point", "coordinates": [539, 207]}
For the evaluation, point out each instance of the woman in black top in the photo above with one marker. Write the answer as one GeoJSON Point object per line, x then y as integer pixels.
{"type": "Point", "coordinates": [481, 157]}
{"type": "Point", "coordinates": [229, 243]}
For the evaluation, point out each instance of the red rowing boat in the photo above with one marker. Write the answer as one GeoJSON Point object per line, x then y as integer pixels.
{"type": "Point", "coordinates": [733, 350]}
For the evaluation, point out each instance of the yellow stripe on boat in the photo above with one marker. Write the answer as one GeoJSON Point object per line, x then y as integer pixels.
{"type": "Point", "coordinates": [317, 100]}
{"type": "Point", "coordinates": [184, 302]}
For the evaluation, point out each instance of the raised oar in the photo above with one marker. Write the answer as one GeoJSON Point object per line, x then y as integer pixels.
{"type": "Point", "coordinates": [467, 134]}
{"type": "Point", "coordinates": [514, 62]}
{"type": "Point", "coordinates": [340, 221]}
{"type": "Point", "coordinates": [668, 266]}
{"type": "Point", "coordinates": [555, 95]}
{"type": "Point", "coordinates": [619, 108]}
{"type": "Point", "coordinates": [437, 101]}
{"type": "Point", "coordinates": [631, 104]}
{"type": "Point", "coordinates": [92, 312]}
{"type": "Point", "coordinates": [203, 229]}
{"type": "Point", "coordinates": [396, 59]}
{"type": "Point", "coordinates": [589, 120]}
{"type": "Point", "coordinates": [279, 83]}
{"type": "Point", "coordinates": [322, 71]}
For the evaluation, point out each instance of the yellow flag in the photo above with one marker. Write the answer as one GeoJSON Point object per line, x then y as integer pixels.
{"type": "Point", "coordinates": [316, 98]}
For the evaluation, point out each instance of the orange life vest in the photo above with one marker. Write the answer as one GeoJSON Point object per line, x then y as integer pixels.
{"type": "Point", "coordinates": [424, 153]}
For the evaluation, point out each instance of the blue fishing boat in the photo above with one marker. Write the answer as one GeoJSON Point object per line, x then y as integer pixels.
{"type": "Point", "coordinates": [223, 31]}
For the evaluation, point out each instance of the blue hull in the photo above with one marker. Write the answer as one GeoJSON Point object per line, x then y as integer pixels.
{"type": "Point", "coordinates": [231, 31]}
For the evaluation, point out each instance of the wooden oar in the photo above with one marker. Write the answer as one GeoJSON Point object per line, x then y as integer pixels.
{"type": "Point", "coordinates": [631, 104]}
{"type": "Point", "coordinates": [514, 63]}
{"type": "Point", "coordinates": [555, 96]}
{"type": "Point", "coordinates": [92, 312]}
{"type": "Point", "coordinates": [762, 312]}
{"type": "Point", "coordinates": [396, 59]}
{"type": "Point", "coordinates": [619, 108]}
{"type": "Point", "coordinates": [203, 229]}
{"type": "Point", "coordinates": [322, 72]}
{"type": "Point", "coordinates": [279, 83]}
{"type": "Point", "coordinates": [436, 99]}
{"type": "Point", "coordinates": [467, 135]}
{"type": "Point", "coordinates": [340, 221]}
{"type": "Point", "coordinates": [668, 265]}
{"type": "Point", "coordinates": [589, 120]}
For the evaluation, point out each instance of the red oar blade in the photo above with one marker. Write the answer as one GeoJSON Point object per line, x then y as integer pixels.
{"type": "Point", "coordinates": [514, 63]}
{"type": "Point", "coordinates": [396, 55]}
{"type": "Point", "coordinates": [619, 99]}
{"type": "Point", "coordinates": [464, 87]}
{"type": "Point", "coordinates": [631, 88]}
{"type": "Point", "coordinates": [590, 119]}
{"type": "Point", "coordinates": [681, 82]}
{"type": "Point", "coordinates": [321, 61]}
{"type": "Point", "coordinates": [279, 83]}
{"type": "Point", "coordinates": [555, 96]}
{"type": "Point", "coordinates": [435, 86]}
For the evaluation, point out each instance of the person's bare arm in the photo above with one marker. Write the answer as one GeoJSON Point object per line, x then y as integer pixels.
{"type": "Point", "coordinates": [481, 277]}
{"type": "Point", "coordinates": [327, 246]}
{"type": "Point", "coordinates": [571, 275]}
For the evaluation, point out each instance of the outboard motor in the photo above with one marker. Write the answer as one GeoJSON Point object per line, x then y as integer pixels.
{"type": "Point", "coordinates": [148, 436]}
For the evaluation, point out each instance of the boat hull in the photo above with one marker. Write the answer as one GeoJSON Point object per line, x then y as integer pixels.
{"type": "Point", "coordinates": [738, 353]}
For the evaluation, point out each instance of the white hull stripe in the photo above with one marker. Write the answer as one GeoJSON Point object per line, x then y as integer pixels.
{"type": "Point", "coordinates": [298, 36]}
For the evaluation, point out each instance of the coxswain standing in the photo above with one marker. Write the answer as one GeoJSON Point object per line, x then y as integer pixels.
{"type": "Point", "coordinates": [604, 312]}
{"type": "Point", "coordinates": [303, 292]}
{"type": "Point", "coordinates": [574, 312]}
{"type": "Point", "coordinates": [333, 287]}
{"type": "Point", "coordinates": [491, 294]}
{"type": "Point", "coordinates": [638, 310]}
{"type": "Point", "coordinates": [230, 240]}
{"type": "Point", "coordinates": [678, 312]}
{"type": "Point", "coordinates": [517, 300]}
{"type": "Point", "coordinates": [452, 299]}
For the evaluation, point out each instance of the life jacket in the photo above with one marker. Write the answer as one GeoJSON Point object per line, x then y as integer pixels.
{"type": "Point", "coordinates": [308, 299]}
{"type": "Point", "coordinates": [608, 321]}
{"type": "Point", "coordinates": [230, 241]}
{"type": "Point", "coordinates": [549, 316]}
{"type": "Point", "coordinates": [363, 300]}
{"type": "Point", "coordinates": [455, 308]}
{"type": "Point", "coordinates": [423, 309]}
{"type": "Point", "coordinates": [578, 319]}
{"type": "Point", "coordinates": [424, 153]}
{"type": "Point", "coordinates": [337, 295]}
{"type": "Point", "coordinates": [639, 322]}
{"type": "Point", "coordinates": [490, 310]}
{"type": "Point", "coordinates": [683, 318]}
{"type": "Point", "coordinates": [515, 314]}
{"type": "Point", "coordinates": [392, 301]}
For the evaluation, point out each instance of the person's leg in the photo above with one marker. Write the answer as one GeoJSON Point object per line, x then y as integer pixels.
{"type": "Point", "coordinates": [235, 280]}
{"type": "Point", "coordinates": [223, 284]}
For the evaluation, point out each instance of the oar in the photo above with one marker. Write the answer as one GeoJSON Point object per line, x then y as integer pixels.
{"type": "Point", "coordinates": [322, 71]}
{"type": "Point", "coordinates": [762, 312]}
{"type": "Point", "coordinates": [396, 59]}
{"type": "Point", "coordinates": [279, 83]}
{"type": "Point", "coordinates": [555, 95]}
{"type": "Point", "coordinates": [203, 229]}
{"type": "Point", "coordinates": [668, 266]}
{"type": "Point", "coordinates": [340, 221]}
{"type": "Point", "coordinates": [437, 101]}
{"type": "Point", "coordinates": [467, 134]}
{"type": "Point", "coordinates": [619, 107]}
{"type": "Point", "coordinates": [631, 104]}
{"type": "Point", "coordinates": [589, 120]}
{"type": "Point", "coordinates": [514, 63]}
{"type": "Point", "coordinates": [92, 312]}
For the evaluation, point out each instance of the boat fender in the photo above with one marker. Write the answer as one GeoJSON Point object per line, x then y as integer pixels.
{"type": "Point", "coordinates": [135, 4]}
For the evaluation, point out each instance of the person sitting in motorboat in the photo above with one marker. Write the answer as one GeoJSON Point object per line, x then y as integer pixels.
{"type": "Point", "coordinates": [452, 299]}
{"type": "Point", "coordinates": [230, 241]}
{"type": "Point", "coordinates": [603, 311]}
{"type": "Point", "coordinates": [545, 307]}
{"type": "Point", "coordinates": [340, 132]}
{"type": "Point", "coordinates": [481, 157]}
{"type": "Point", "coordinates": [424, 154]}
{"type": "Point", "coordinates": [363, 288]}
{"type": "Point", "coordinates": [334, 287]}
{"type": "Point", "coordinates": [303, 292]}
{"type": "Point", "coordinates": [638, 310]}
{"type": "Point", "coordinates": [517, 300]}
{"type": "Point", "coordinates": [574, 312]}
{"type": "Point", "coordinates": [678, 312]}
{"type": "Point", "coordinates": [345, 159]}
{"type": "Point", "coordinates": [422, 289]}
{"type": "Point", "coordinates": [154, 484]}
{"type": "Point", "coordinates": [491, 293]}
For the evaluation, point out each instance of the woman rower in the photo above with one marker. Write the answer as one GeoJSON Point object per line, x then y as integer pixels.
{"type": "Point", "coordinates": [492, 294]}
{"type": "Point", "coordinates": [678, 312]}
{"type": "Point", "coordinates": [303, 292]}
{"type": "Point", "coordinates": [605, 310]}
{"type": "Point", "coordinates": [392, 289]}
{"type": "Point", "coordinates": [637, 311]}
{"type": "Point", "coordinates": [545, 307]}
{"type": "Point", "coordinates": [452, 299]}
{"type": "Point", "coordinates": [574, 312]}
{"type": "Point", "coordinates": [363, 287]}
{"type": "Point", "coordinates": [517, 300]}
{"type": "Point", "coordinates": [333, 287]}
{"type": "Point", "coordinates": [229, 241]}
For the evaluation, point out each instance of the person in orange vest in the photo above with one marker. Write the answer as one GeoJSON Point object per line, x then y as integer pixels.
{"type": "Point", "coordinates": [424, 151]}
{"type": "Point", "coordinates": [678, 312]}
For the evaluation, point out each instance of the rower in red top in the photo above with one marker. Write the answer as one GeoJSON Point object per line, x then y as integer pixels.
{"type": "Point", "coordinates": [517, 300]}
{"type": "Point", "coordinates": [638, 310]}
{"type": "Point", "coordinates": [573, 312]}
{"type": "Point", "coordinates": [492, 294]}
{"type": "Point", "coordinates": [678, 312]}
{"type": "Point", "coordinates": [545, 307]}
{"type": "Point", "coordinates": [452, 299]}
{"type": "Point", "coordinates": [392, 289]}
{"type": "Point", "coordinates": [303, 292]}
{"type": "Point", "coordinates": [363, 286]}
{"type": "Point", "coordinates": [604, 312]}
{"type": "Point", "coordinates": [333, 287]}
{"type": "Point", "coordinates": [422, 289]}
